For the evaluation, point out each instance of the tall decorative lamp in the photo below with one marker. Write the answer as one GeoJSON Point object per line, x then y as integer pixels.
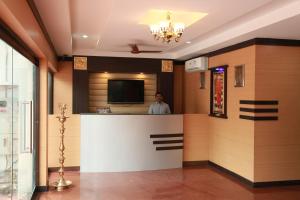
{"type": "Point", "coordinates": [62, 183]}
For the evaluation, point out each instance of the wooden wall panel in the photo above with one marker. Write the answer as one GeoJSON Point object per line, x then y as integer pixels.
{"type": "Point", "coordinates": [231, 141]}
{"type": "Point", "coordinates": [178, 89]}
{"type": "Point", "coordinates": [196, 100]}
{"type": "Point", "coordinates": [165, 86]}
{"type": "Point", "coordinates": [97, 64]}
{"type": "Point", "coordinates": [191, 90]}
{"type": "Point", "coordinates": [80, 91]}
{"type": "Point", "coordinates": [43, 146]}
{"type": "Point", "coordinates": [195, 128]}
{"type": "Point", "coordinates": [98, 92]}
{"type": "Point", "coordinates": [260, 151]}
{"type": "Point", "coordinates": [277, 143]}
{"type": "Point", "coordinates": [62, 86]}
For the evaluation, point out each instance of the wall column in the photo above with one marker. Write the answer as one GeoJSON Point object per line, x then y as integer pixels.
{"type": "Point", "coordinates": [43, 129]}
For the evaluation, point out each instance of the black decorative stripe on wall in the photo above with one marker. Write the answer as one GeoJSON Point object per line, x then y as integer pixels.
{"type": "Point", "coordinates": [166, 135]}
{"type": "Point", "coordinates": [259, 110]}
{"type": "Point", "coordinates": [167, 141]}
{"type": "Point", "coordinates": [265, 117]}
{"type": "Point", "coordinates": [259, 118]}
{"type": "Point", "coordinates": [168, 148]}
{"type": "Point", "coordinates": [259, 102]}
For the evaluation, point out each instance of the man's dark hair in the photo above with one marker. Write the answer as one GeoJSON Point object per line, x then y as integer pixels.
{"type": "Point", "coordinates": [157, 93]}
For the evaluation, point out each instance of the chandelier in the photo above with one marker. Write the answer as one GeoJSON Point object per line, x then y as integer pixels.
{"type": "Point", "coordinates": [167, 30]}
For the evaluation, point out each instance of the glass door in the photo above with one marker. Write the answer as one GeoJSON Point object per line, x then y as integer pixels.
{"type": "Point", "coordinates": [6, 122]}
{"type": "Point", "coordinates": [17, 94]}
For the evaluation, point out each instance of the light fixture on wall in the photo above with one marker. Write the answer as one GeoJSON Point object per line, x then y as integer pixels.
{"type": "Point", "coordinates": [166, 30]}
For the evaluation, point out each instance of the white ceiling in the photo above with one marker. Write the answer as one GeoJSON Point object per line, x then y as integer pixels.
{"type": "Point", "coordinates": [113, 24]}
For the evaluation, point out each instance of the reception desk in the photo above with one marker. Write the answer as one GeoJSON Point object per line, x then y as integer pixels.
{"type": "Point", "coordinates": [117, 143]}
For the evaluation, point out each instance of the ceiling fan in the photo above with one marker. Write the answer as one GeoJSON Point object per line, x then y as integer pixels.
{"type": "Point", "coordinates": [135, 50]}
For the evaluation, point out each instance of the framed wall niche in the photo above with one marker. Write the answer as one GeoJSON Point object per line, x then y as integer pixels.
{"type": "Point", "coordinates": [239, 76]}
{"type": "Point", "coordinates": [218, 91]}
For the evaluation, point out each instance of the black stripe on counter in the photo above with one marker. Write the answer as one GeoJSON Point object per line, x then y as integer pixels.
{"type": "Point", "coordinates": [259, 118]}
{"type": "Point", "coordinates": [167, 141]}
{"type": "Point", "coordinates": [166, 135]}
{"type": "Point", "coordinates": [168, 148]}
{"type": "Point", "coordinates": [260, 110]}
{"type": "Point", "coordinates": [259, 102]}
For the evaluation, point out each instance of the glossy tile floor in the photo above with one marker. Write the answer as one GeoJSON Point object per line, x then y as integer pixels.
{"type": "Point", "coordinates": [175, 184]}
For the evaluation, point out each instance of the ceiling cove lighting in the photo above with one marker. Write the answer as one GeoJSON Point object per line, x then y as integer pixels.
{"type": "Point", "coordinates": [167, 30]}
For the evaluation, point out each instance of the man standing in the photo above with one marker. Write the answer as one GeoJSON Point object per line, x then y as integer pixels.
{"type": "Point", "coordinates": [159, 107]}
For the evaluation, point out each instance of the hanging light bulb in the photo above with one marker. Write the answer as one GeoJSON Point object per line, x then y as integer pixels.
{"type": "Point", "coordinates": [154, 28]}
{"type": "Point", "coordinates": [179, 28]}
{"type": "Point", "coordinates": [166, 30]}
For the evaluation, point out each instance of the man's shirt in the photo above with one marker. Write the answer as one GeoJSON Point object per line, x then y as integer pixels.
{"type": "Point", "coordinates": [159, 108]}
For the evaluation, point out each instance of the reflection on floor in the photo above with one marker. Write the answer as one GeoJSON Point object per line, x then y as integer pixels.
{"type": "Point", "coordinates": [175, 184]}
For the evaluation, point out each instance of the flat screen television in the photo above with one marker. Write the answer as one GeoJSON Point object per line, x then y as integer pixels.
{"type": "Point", "coordinates": [125, 91]}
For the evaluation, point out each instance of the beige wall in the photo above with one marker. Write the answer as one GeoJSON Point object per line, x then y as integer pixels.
{"type": "Point", "coordinates": [195, 99]}
{"type": "Point", "coordinates": [277, 143]}
{"type": "Point", "coordinates": [195, 130]}
{"type": "Point", "coordinates": [230, 141]}
{"type": "Point", "coordinates": [62, 86]}
{"type": "Point", "coordinates": [63, 94]}
{"type": "Point", "coordinates": [43, 125]}
{"type": "Point", "coordinates": [261, 150]}
{"type": "Point", "coordinates": [72, 141]}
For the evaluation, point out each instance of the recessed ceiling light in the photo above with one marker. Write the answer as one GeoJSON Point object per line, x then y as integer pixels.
{"type": "Point", "coordinates": [188, 42]}
{"type": "Point", "coordinates": [84, 36]}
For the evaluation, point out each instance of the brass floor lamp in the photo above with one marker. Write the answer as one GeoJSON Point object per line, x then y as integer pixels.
{"type": "Point", "coordinates": [62, 183]}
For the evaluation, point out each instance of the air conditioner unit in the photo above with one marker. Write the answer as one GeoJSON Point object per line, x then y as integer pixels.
{"type": "Point", "coordinates": [196, 64]}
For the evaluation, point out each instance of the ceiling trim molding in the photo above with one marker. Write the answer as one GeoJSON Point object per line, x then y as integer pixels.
{"type": "Point", "coordinates": [64, 58]}
{"type": "Point", "coordinates": [247, 43]}
{"type": "Point", "coordinates": [7, 35]}
{"type": "Point", "coordinates": [41, 24]}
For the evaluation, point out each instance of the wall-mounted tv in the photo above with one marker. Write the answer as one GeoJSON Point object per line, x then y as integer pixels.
{"type": "Point", "coordinates": [125, 91]}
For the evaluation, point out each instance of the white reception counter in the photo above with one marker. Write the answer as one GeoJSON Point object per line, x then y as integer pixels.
{"type": "Point", "coordinates": [116, 143]}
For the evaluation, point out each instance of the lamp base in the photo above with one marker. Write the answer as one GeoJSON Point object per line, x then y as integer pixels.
{"type": "Point", "coordinates": [61, 184]}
